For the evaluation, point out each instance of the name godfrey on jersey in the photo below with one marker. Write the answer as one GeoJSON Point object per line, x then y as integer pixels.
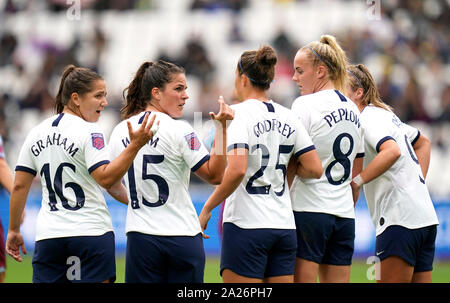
{"type": "Point", "coordinates": [53, 140]}
{"type": "Point", "coordinates": [273, 125]}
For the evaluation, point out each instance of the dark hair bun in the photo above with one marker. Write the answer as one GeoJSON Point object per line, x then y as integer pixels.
{"type": "Point", "coordinates": [266, 55]}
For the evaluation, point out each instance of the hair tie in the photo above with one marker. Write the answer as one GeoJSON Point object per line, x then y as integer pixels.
{"type": "Point", "coordinates": [354, 76]}
{"type": "Point", "coordinates": [317, 55]}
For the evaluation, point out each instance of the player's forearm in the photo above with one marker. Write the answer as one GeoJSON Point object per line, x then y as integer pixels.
{"type": "Point", "coordinates": [16, 207]}
{"type": "Point", "coordinates": [218, 156]}
{"type": "Point", "coordinates": [110, 174]}
{"type": "Point", "coordinates": [119, 192]}
{"type": "Point", "coordinates": [422, 149]}
{"type": "Point", "coordinates": [5, 176]}
{"type": "Point", "coordinates": [380, 164]}
{"type": "Point", "coordinates": [231, 181]}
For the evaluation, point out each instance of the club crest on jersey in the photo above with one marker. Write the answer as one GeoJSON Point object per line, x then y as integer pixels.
{"type": "Point", "coordinates": [97, 140]}
{"type": "Point", "coordinates": [193, 141]}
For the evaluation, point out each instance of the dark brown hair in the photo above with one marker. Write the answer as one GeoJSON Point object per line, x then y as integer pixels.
{"type": "Point", "coordinates": [259, 66]}
{"type": "Point", "coordinates": [74, 80]}
{"type": "Point", "coordinates": [361, 77]}
{"type": "Point", "coordinates": [139, 91]}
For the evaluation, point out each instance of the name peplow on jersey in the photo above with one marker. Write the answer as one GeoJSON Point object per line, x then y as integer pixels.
{"type": "Point", "coordinates": [342, 114]}
{"type": "Point", "coordinates": [53, 140]}
{"type": "Point", "coordinates": [273, 125]}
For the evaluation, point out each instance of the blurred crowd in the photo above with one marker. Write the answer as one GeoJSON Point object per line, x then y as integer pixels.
{"type": "Point", "coordinates": [408, 52]}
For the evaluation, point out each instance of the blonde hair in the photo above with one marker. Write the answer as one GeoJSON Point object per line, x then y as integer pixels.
{"type": "Point", "coordinates": [328, 52]}
{"type": "Point", "coordinates": [361, 77]}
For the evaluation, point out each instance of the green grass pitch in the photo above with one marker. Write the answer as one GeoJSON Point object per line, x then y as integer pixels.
{"type": "Point", "coordinates": [22, 272]}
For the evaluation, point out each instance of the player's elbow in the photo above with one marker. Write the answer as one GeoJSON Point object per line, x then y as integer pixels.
{"type": "Point", "coordinates": [216, 179]}
{"type": "Point", "coordinates": [317, 172]}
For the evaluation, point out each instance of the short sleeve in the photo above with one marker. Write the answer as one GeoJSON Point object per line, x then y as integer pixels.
{"type": "Point", "coordinates": [192, 148]}
{"type": "Point", "coordinates": [412, 133]}
{"type": "Point", "coordinates": [303, 142]}
{"type": "Point", "coordinates": [237, 134]}
{"type": "Point", "coordinates": [25, 161]}
{"type": "Point", "coordinates": [302, 112]}
{"type": "Point", "coordinates": [375, 133]}
{"type": "Point", "coordinates": [360, 149]}
{"type": "Point", "coordinates": [95, 149]}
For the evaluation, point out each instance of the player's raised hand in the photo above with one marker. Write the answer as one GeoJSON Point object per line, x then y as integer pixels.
{"type": "Point", "coordinates": [225, 113]}
{"type": "Point", "coordinates": [145, 132]}
{"type": "Point", "coordinates": [14, 242]}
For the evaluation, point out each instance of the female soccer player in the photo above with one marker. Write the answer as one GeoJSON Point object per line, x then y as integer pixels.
{"type": "Point", "coordinates": [164, 240]}
{"type": "Point", "coordinates": [7, 182]}
{"type": "Point", "coordinates": [395, 166]}
{"type": "Point", "coordinates": [74, 237]}
{"type": "Point", "coordinates": [259, 241]}
{"type": "Point", "coordinates": [323, 208]}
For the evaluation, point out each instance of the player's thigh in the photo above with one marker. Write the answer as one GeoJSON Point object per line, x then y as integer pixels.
{"type": "Point", "coordinates": [281, 256]}
{"type": "Point", "coordinates": [422, 277]}
{"type": "Point", "coordinates": [244, 251]}
{"type": "Point", "coordinates": [96, 255]}
{"type": "Point", "coordinates": [425, 254]}
{"type": "Point", "coordinates": [306, 271]}
{"type": "Point", "coordinates": [186, 259]}
{"type": "Point", "coordinates": [394, 269]}
{"type": "Point", "coordinates": [50, 261]}
{"type": "Point", "coordinates": [145, 260]}
{"type": "Point", "coordinates": [313, 232]}
{"type": "Point", "coordinates": [334, 273]}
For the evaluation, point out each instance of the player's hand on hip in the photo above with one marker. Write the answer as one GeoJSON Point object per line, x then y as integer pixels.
{"type": "Point", "coordinates": [226, 113]}
{"type": "Point", "coordinates": [145, 132]}
{"type": "Point", "coordinates": [14, 242]}
{"type": "Point", "coordinates": [204, 219]}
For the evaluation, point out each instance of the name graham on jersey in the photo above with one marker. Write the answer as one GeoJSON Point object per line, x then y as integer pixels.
{"type": "Point", "coordinates": [52, 140]}
{"type": "Point", "coordinates": [273, 125]}
{"type": "Point", "coordinates": [342, 114]}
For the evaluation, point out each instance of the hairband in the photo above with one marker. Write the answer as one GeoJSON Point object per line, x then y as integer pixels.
{"type": "Point", "coordinates": [317, 55]}
{"type": "Point", "coordinates": [251, 79]}
{"type": "Point", "coordinates": [354, 76]}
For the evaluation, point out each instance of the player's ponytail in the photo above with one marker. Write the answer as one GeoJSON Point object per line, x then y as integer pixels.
{"type": "Point", "coordinates": [74, 80]}
{"type": "Point", "coordinates": [361, 77]}
{"type": "Point", "coordinates": [139, 92]}
{"type": "Point", "coordinates": [135, 94]}
{"type": "Point", "coordinates": [328, 52]}
{"type": "Point", "coordinates": [259, 66]}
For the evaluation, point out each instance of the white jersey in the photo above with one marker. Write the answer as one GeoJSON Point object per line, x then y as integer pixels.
{"type": "Point", "coordinates": [399, 196]}
{"type": "Point", "coordinates": [332, 121]}
{"type": "Point", "coordinates": [272, 134]}
{"type": "Point", "coordinates": [64, 149]}
{"type": "Point", "coordinates": [158, 180]}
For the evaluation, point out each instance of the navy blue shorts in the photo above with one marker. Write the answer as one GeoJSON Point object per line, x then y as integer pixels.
{"type": "Point", "coordinates": [85, 259]}
{"type": "Point", "coordinates": [324, 238]}
{"type": "Point", "coordinates": [415, 246]}
{"type": "Point", "coordinates": [258, 253]}
{"type": "Point", "coordinates": [164, 259]}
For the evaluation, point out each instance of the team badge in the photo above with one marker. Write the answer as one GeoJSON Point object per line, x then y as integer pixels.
{"type": "Point", "coordinates": [193, 141]}
{"type": "Point", "coordinates": [97, 140]}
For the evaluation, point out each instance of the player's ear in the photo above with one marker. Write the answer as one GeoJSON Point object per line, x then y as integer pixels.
{"type": "Point", "coordinates": [321, 71]}
{"type": "Point", "coordinates": [156, 93]}
{"type": "Point", "coordinates": [244, 80]}
{"type": "Point", "coordinates": [75, 99]}
{"type": "Point", "coordinates": [360, 93]}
